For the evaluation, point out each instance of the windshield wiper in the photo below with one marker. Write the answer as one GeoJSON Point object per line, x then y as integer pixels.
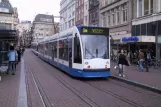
{"type": "Point", "coordinates": [90, 53]}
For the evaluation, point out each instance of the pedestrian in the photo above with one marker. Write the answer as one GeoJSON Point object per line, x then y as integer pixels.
{"type": "Point", "coordinates": [122, 61]}
{"type": "Point", "coordinates": [19, 54]}
{"type": "Point", "coordinates": [140, 60]}
{"type": "Point", "coordinates": [21, 50]}
{"type": "Point", "coordinates": [12, 54]}
{"type": "Point", "coordinates": [147, 60]}
{"type": "Point", "coordinates": [129, 58]}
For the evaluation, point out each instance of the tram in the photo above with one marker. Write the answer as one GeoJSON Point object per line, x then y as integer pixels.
{"type": "Point", "coordinates": [34, 46]}
{"type": "Point", "coordinates": [80, 51]}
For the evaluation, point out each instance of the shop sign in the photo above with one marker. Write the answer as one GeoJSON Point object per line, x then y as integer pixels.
{"type": "Point", "coordinates": [130, 39]}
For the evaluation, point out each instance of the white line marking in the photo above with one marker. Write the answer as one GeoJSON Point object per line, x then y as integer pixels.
{"type": "Point", "coordinates": [22, 98]}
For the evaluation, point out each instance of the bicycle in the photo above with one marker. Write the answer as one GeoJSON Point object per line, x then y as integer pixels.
{"type": "Point", "coordinates": [157, 64]}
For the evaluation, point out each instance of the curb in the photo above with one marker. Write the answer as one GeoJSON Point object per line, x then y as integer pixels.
{"type": "Point", "coordinates": [145, 86]}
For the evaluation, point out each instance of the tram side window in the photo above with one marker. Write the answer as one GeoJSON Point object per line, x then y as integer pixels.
{"type": "Point", "coordinates": [65, 45]}
{"type": "Point", "coordinates": [77, 50]}
{"type": "Point", "coordinates": [50, 50]}
{"type": "Point", "coordinates": [61, 49]}
{"type": "Point", "coordinates": [46, 48]}
{"type": "Point", "coordinates": [70, 47]}
{"type": "Point", "coordinates": [55, 49]}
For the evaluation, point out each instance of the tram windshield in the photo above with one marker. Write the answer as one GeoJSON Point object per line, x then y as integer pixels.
{"type": "Point", "coordinates": [95, 46]}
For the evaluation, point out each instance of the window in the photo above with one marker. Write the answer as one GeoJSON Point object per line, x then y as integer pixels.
{"type": "Point", "coordinates": [160, 5]}
{"type": "Point", "coordinates": [109, 20]}
{"type": "Point", "coordinates": [151, 6]}
{"type": "Point", "coordinates": [146, 7]}
{"type": "Point", "coordinates": [117, 15]}
{"type": "Point", "coordinates": [112, 17]}
{"type": "Point", "coordinates": [79, 2]}
{"type": "Point", "coordinates": [86, 20]}
{"type": "Point", "coordinates": [79, 16]}
{"type": "Point", "coordinates": [86, 6]}
{"type": "Point", "coordinates": [65, 46]}
{"type": "Point", "coordinates": [90, 17]}
{"type": "Point", "coordinates": [72, 22]}
{"type": "Point", "coordinates": [140, 8]}
{"type": "Point", "coordinates": [124, 12]}
{"type": "Point", "coordinates": [82, 15]}
{"type": "Point", "coordinates": [104, 20]}
{"type": "Point", "coordinates": [77, 50]}
{"type": "Point", "coordinates": [61, 49]}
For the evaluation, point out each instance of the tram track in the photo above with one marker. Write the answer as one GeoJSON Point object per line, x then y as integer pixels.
{"type": "Point", "coordinates": [121, 97]}
{"type": "Point", "coordinates": [78, 93]}
{"type": "Point", "coordinates": [60, 77]}
{"type": "Point", "coordinates": [125, 85]}
{"type": "Point", "coordinates": [43, 96]}
{"type": "Point", "coordinates": [107, 92]}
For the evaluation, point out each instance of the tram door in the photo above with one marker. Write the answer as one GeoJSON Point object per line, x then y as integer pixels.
{"type": "Point", "coordinates": [70, 51]}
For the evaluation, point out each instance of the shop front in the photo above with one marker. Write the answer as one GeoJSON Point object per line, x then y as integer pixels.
{"type": "Point", "coordinates": [135, 43]}
{"type": "Point", "coordinates": [159, 47]}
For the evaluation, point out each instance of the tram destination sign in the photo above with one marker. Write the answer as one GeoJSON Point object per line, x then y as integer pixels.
{"type": "Point", "coordinates": [94, 31]}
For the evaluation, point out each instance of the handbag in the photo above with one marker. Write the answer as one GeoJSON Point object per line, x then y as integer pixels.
{"type": "Point", "coordinates": [115, 67]}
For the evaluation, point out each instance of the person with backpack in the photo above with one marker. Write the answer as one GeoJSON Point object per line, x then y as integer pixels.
{"type": "Point", "coordinates": [12, 54]}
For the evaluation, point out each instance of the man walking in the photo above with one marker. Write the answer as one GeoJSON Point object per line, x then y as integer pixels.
{"type": "Point", "coordinates": [12, 54]}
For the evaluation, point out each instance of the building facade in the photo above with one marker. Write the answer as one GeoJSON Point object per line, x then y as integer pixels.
{"type": "Point", "coordinates": [94, 12]}
{"type": "Point", "coordinates": [8, 16]}
{"type": "Point", "coordinates": [67, 14]}
{"type": "Point", "coordinates": [117, 15]}
{"type": "Point", "coordinates": [79, 13]}
{"type": "Point", "coordinates": [24, 28]}
{"type": "Point", "coordinates": [86, 12]}
{"type": "Point", "coordinates": [146, 25]}
{"type": "Point", "coordinates": [43, 26]}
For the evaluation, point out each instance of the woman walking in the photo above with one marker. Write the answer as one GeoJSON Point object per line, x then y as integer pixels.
{"type": "Point", "coordinates": [122, 61]}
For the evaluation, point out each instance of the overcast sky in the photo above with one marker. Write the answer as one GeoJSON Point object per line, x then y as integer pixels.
{"type": "Point", "coordinates": [27, 9]}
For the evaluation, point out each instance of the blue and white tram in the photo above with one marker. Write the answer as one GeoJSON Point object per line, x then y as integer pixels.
{"type": "Point", "coordinates": [34, 46]}
{"type": "Point", "coordinates": [80, 51]}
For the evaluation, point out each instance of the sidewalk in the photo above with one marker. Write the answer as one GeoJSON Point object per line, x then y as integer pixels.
{"type": "Point", "coordinates": [9, 88]}
{"type": "Point", "coordinates": [151, 78]}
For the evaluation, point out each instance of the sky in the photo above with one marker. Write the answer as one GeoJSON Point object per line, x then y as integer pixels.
{"type": "Point", "coordinates": [27, 9]}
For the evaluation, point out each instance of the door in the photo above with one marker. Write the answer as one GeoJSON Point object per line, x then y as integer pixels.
{"type": "Point", "coordinates": [70, 51]}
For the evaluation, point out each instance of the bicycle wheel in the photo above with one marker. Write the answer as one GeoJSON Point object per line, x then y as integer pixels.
{"type": "Point", "coordinates": [155, 65]}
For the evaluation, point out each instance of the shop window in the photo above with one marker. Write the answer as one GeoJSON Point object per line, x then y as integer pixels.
{"type": "Point", "coordinates": [134, 30]}
{"type": "Point", "coordinates": [149, 29]}
{"type": "Point", "coordinates": [143, 29]}
{"type": "Point", "coordinates": [137, 30]}
{"type": "Point", "coordinates": [77, 50]}
{"type": "Point", "coordinates": [159, 26]}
